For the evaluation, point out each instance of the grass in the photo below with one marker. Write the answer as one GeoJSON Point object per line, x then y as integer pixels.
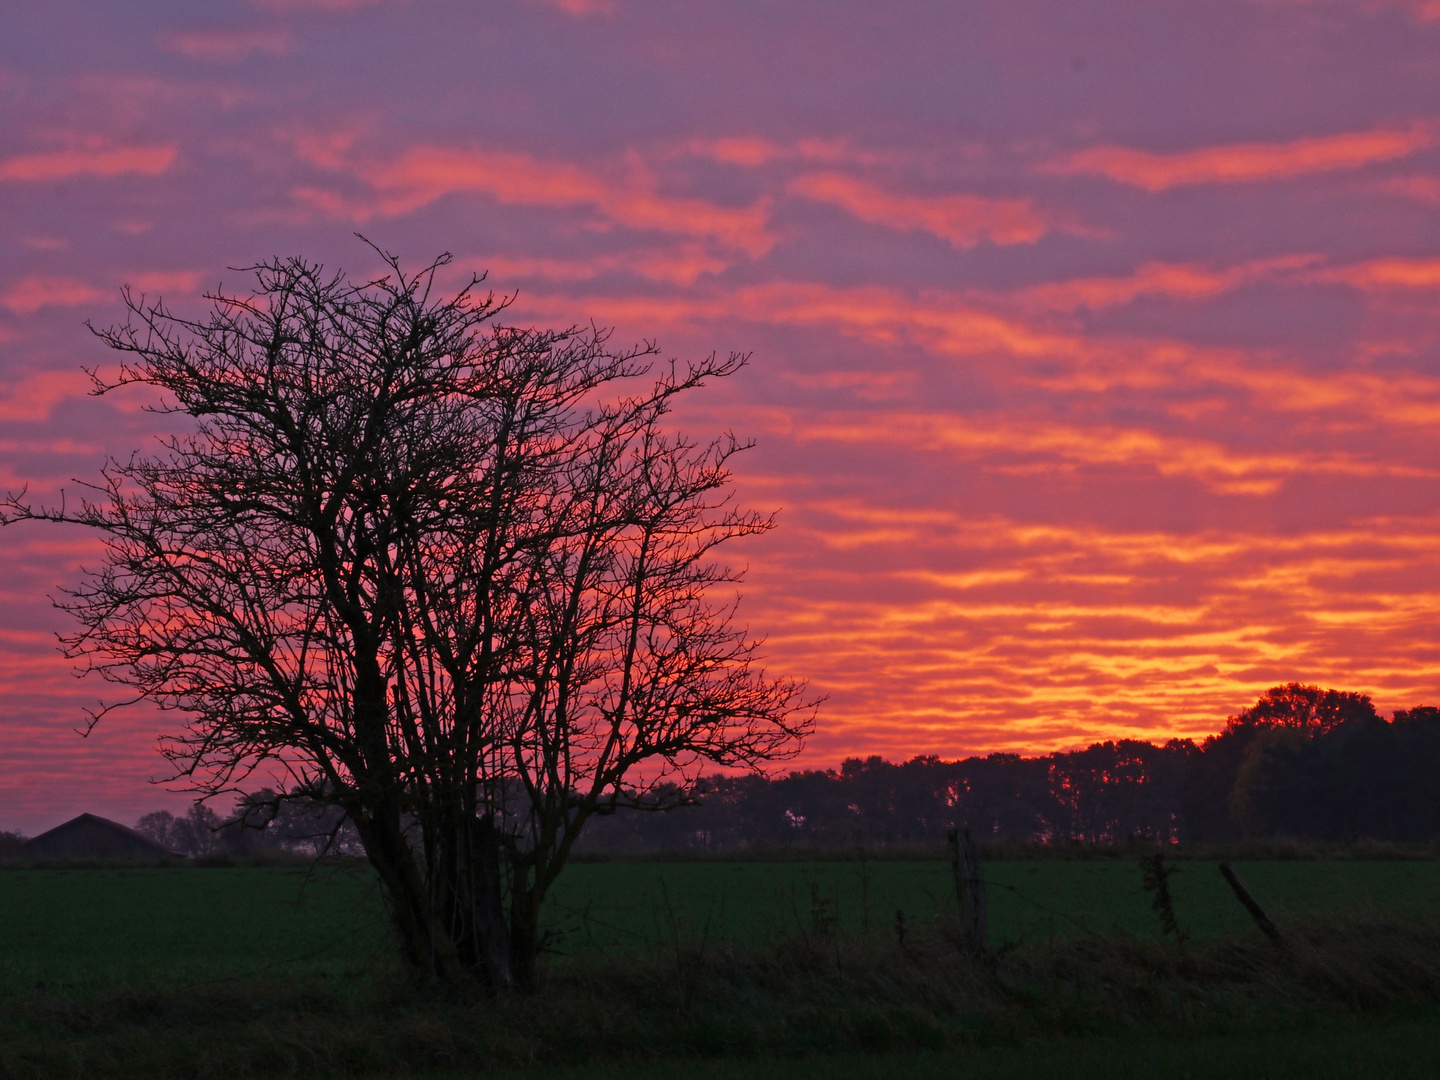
{"type": "Point", "coordinates": [843, 1007]}
{"type": "Point", "coordinates": [1348, 1048]}
{"type": "Point", "coordinates": [640, 906]}
{"type": "Point", "coordinates": [85, 930]}
{"type": "Point", "coordinates": [90, 928]}
{"type": "Point", "coordinates": [729, 969]}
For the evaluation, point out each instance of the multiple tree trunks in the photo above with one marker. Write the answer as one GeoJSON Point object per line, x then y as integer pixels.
{"type": "Point", "coordinates": [456, 578]}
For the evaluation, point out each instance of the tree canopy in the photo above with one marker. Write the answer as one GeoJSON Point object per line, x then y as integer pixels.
{"type": "Point", "coordinates": [453, 576]}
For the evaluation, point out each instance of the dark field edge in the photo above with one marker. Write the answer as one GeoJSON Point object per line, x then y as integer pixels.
{"type": "Point", "coordinates": [814, 995]}
{"type": "Point", "coordinates": [1285, 850]}
{"type": "Point", "coordinates": [205, 862]}
{"type": "Point", "coordinates": [1382, 1047]}
{"type": "Point", "coordinates": [1280, 850]}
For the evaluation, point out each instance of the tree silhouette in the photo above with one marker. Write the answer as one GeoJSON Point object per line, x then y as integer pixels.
{"type": "Point", "coordinates": [1307, 707]}
{"type": "Point", "coordinates": [452, 576]}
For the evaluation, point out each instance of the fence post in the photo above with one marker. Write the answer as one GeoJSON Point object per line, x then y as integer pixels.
{"type": "Point", "coordinates": [1242, 893]}
{"type": "Point", "coordinates": [969, 891]}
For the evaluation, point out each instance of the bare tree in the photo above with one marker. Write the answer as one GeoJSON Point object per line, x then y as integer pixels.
{"type": "Point", "coordinates": [454, 577]}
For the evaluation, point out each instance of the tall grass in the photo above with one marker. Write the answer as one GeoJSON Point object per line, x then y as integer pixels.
{"type": "Point", "coordinates": [816, 992]}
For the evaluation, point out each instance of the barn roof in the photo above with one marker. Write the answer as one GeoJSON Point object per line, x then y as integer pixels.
{"type": "Point", "coordinates": [92, 837]}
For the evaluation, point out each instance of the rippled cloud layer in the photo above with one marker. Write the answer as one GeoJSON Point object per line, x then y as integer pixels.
{"type": "Point", "coordinates": [1094, 349]}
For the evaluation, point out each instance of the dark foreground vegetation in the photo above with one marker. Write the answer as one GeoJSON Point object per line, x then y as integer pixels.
{"type": "Point", "coordinates": [803, 996]}
{"type": "Point", "coordinates": [727, 969]}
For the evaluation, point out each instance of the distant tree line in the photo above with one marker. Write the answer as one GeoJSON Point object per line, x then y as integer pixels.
{"type": "Point", "coordinates": [259, 824]}
{"type": "Point", "coordinates": [1303, 762]}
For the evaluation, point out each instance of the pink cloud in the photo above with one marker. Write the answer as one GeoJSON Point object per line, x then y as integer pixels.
{"type": "Point", "coordinates": [681, 266]}
{"type": "Point", "coordinates": [286, 7]}
{"type": "Point", "coordinates": [34, 397]}
{"type": "Point", "coordinates": [1185, 281]}
{"type": "Point", "coordinates": [751, 151]}
{"type": "Point", "coordinates": [425, 174]}
{"type": "Point", "coordinates": [1244, 162]}
{"type": "Point", "coordinates": [1422, 10]}
{"type": "Point", "coordinates": [99, 161]}
{"type": "Point", "coordinates": [30, 294]}
{"type": "Point", "coordinates": [165, 281]}
{"type": "Point", "coordinates": [1421, 188]}
{"type": "Point", "coordinates": [1381, 274]}
{"type": "Point", "coordinates": [226, 46]}
{"type": "Point", "coordinates": [963, 220]}
{"type": "Point", "coordinates": [582, 8]}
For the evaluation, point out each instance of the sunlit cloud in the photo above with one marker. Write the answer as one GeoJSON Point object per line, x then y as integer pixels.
{"type": "Point", "coordinates": [94, 160]}
{"type": "Point", "coordinates": [1038, 484]}
{"type": "Point", "coordinates": [1184, 281]}
{"type": "Point", "coordinates": [1037, 444]}
{"type": "Point", "coordinates": [1054, 631]}
{"type": "Point", "coordinates": [1380, 274]}
{"type": "Point", "coordinates": [34, 397]}
{"type": "Point", "coordinates": [423, 175]}
{"type": "Point", "coordinates": [964, 220]}
{"type": "Point", "coordinates": [331, 6]}
{"type": "Point", "coordinates": [1244, 162]}
{"type": "Point", "coordinates": [1425, 189]}
{"type": "Point", "coordinates": [30, 294]}
{"type": "Point", "coordinates": [751, 151]}
{"type": "Point", "coordinates": [681, 265]}
{"type": "Point", "coordinates": [1422, 10]}
{"type": "Point", "coordinates": [581, 8]}
{"type": "Point", "coordinates": [1012, 338]}
{"type": "Point", "coordinates": [226, 45]}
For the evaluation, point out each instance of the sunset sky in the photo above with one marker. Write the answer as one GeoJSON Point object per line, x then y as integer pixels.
{"type": "Point", "coordinates": [1096, 351]}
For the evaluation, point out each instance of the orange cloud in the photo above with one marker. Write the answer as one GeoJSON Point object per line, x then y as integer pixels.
{"type": "Point", "coordinates": [1051, 634]}
{"type": "Point", "coordinates": [226, 46]}
{"type": "Point", "coordinates": [30, 294]}
{"type": "Point", "coordinates": [1244, 162]}
{"type": "Point", "coordinates": [1051, 446]}
{"type": "Point", "coordinates": [999, 331]}
{"type": "Point", "coordinates": [89, 161]}
{"type": "Point", "coordinates": [963, 220]}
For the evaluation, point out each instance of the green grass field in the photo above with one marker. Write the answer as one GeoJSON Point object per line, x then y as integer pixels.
{"type": "Point", "coordinates": [731, 969]}
{"type": "Point", "coordinates": [1370, 1049]}
{"type": "Point", "coordinates": [623, 906]}
{"type": "Point", "coordinates": [100, 927]}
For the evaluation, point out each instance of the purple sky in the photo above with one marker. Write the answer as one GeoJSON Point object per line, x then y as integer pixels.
{"type": "Point", "coordinates": [1095, 344]}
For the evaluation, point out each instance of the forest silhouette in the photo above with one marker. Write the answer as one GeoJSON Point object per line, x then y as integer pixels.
{"type": "Point", "coordinates": [1303, 762]}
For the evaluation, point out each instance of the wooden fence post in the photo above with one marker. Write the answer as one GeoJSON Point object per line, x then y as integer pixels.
{"type": "Point", "coordinates": [1242, 893]}
{"type": "Point", "coordinates": [969, 891]}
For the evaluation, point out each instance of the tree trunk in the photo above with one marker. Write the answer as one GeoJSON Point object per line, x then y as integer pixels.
{"type": "Point", "coordinates": [486, 908]}
{"type": "Point", "coordinates": [426, 947]}
{"type": "Point", "coordinates": [524, 933]}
